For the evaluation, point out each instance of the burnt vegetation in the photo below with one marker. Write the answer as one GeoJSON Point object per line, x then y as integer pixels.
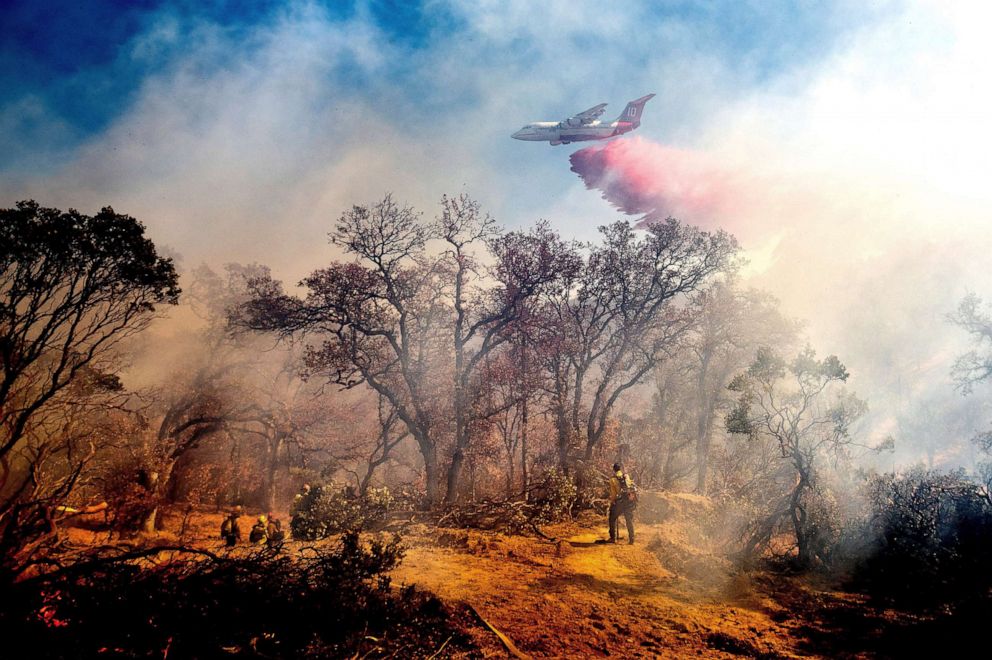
{"type": "Point", "coordinates": [325, 602]}
{"type": "Point", "coordinates": [444, 372]}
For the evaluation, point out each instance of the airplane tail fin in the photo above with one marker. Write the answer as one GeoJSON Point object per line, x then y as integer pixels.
{"type": "Point", "coordinates": [632, 113]}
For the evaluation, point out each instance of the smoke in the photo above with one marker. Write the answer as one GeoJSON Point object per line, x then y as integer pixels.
{"type": "Point", "coordinates": [850, 158]}
{"type": "Point", "coordinates": [639, 176]}
{"type": "Point", "coordinates": [852, 254]}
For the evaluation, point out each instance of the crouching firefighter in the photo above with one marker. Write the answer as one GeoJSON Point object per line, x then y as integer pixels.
{"type": "Point", "coordinates": [623, 501]}
{"type": "Point", "coordinates": [259, 533]}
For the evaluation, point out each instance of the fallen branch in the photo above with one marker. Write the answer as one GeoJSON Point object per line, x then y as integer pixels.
{"type": "Point", "coordinates": [441, 648]}
{"type": "Point", "coordinates": [70, 512]}
{"type": "Point", "coordinates": [110, 555]}
{"type": "Point", "coordinates": [509, 516]}
{"type": "Point", "coordinates": [510, 646]}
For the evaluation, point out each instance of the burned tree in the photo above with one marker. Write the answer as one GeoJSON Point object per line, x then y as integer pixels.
{"type": "Point", "coordinates": [230, 388]}
{"type": "Point", "coordinates": [661, 437]}
{"type": "Point", "coordinates": [975, 366]}
{"type": "Point", "coordinates": [387, 439]}
{"type": "Point", "coordinates": [733, 323]}
{"type": "Point", "coordinates": [200, 403]}
{"type": "Point", "coordinates": [511, 384]}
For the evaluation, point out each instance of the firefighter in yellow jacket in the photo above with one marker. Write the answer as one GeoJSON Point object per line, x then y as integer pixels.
{"type": "Point", "coordinates": [259, 535]}
{"type": "Point", "coordinates": [623, 501]}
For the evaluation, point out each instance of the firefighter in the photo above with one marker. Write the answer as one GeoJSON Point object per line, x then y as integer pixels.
{"type": "Point", "coordinates": [623, 501]}
{"type": "Point", "coordinates": [230, 531]}
{"type": "Point", "coordinates": [258, 535]}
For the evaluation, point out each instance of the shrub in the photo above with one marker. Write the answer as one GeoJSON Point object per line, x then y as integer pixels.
{"type": "Point", "coordinates": [929, 539]}
{"type": "Point", "coordinates": [555, 498]}
{"type": "Point", "coordinates": [325, 602]}
{"type": "Point", "coordinates": [327, 510]}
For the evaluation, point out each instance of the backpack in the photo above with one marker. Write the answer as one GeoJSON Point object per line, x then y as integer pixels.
{"type": "Point", "coordinates": [628, 491]}
{"type": "Point", "coordinates": [258, 534]}
{"type": "Point", "coordinates": [225, 528]}
{"type": "Point", "coordinates": [275, 533]}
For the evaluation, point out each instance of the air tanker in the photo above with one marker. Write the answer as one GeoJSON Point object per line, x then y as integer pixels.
{"type": "Point", "coordinates": [585, 125]}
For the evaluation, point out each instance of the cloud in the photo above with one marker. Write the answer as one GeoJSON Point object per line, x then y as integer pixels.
{"type": "Point", "coordinates": [848, 151]}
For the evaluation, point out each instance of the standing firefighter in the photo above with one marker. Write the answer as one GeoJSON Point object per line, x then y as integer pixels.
{"type": "Point", "coordinates": [300, 500]}
{"type": "Point", "coordinates": [275, 535]}
{"type": "Point", "coordinates": [230, 531]}
{"type": "Point", "coordinates": [623, 501]}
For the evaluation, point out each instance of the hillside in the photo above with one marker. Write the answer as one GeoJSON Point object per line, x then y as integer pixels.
{"type": "Point", "coordinates": [669, 595]}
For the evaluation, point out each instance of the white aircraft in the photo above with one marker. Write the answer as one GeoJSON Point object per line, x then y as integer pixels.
{"type": "Point", "coordinates": [585, 125]}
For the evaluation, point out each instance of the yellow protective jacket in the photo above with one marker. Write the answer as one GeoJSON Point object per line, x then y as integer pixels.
{"type": "Point", "coordinates": [615, 485]}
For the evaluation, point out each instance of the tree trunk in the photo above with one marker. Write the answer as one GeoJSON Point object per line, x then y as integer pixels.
{"type": "Point", "coordinates": [454, 474]}
{"type": "Point", "coordinates": [471, 478]}
{"type": "Point", "coordinates": [432, 476]}
{"type": "Point", "coordinates": [523, 448]}
{"type": "Point", "coordinates": [798, 514]}
{"type": "Point", "coordinates": [461, 444]}
{"type": "Point", "coordinates": [591, 441]}
{"type": "Point", "coordinates": [703, 449]}
{"type": "Point", "coordinates": [510, 475]}
{"type": "Point", "coordinates": [363, 485]}
{"type": "Point", "coordinates": [666, 474]}
{"type": "Point", "coordinates": [564, 433]}
{"type": "Point", "coordinates": [159, 485]}
{"type": "Point", "coordinates": [703, 427]}
{"type": "Point", "coordinates": [461, 426]}
{"type": "Point", "coordinates": [270, 486]}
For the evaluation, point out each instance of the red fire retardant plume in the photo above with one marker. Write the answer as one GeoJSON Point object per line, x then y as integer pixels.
{"type": "Point", "coordinates": [642, 177]}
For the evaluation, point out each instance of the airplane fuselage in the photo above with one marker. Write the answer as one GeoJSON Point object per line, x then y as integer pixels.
{"type": "Point", "coordinates": [584, 126]}
{"type": "Point", "coordinates": [557, 132]}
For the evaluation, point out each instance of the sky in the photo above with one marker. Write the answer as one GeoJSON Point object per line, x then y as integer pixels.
{"type": "Point", "coordinates": [846, 144]}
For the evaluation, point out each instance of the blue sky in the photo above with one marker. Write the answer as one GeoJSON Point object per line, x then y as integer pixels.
{"type": "Point", "coordinates": [438, 85]}
{"type": "Point", "coordinates": [80, 66]}
{"type": "Point", "coordinates": [851, 140]}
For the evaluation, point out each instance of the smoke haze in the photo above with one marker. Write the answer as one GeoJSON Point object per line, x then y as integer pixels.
{"type": "Point", "coordinates": [847, 148]}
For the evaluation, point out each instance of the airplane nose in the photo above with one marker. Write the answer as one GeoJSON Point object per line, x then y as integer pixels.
{"type": "Point", "coordinates": [518, 135]}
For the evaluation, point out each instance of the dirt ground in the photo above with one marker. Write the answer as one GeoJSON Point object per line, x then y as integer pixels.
{"type": "Point", "coordinates": [667, 596]}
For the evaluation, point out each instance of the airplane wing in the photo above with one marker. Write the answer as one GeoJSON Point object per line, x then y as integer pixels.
{"type": "Point", "coordinates": [587, 116]}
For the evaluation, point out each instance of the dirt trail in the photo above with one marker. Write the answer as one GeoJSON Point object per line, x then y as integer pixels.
{"type": "Point", "coordinates": [579, 598]}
